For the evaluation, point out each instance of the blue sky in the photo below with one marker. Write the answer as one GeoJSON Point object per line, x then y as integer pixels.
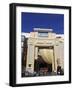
{"type": "Point", "coordinates": [41, 20]}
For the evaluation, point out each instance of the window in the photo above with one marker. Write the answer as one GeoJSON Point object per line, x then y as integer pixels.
{"type": "Point", "coordinates": [29, 65]}
{"type": "Point", "coordinates": [43, 34]}
{"type": "Point", "coordinates": [22, 38]}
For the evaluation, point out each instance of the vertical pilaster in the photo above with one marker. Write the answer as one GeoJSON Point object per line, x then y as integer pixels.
{"type": "Point", "coordinates": [53, 61]}
{"type": "Point", "coordinates": [36, 52]}
{"type": "Point", "coordinates": [52, 65]}
{"type": "Point", "coordinates": [30, 59]}
{"type": "Point", "coordinates": [55, 58]}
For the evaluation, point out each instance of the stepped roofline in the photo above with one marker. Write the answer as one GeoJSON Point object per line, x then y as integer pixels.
{"type": "Point", "coordinates": [42, 30]}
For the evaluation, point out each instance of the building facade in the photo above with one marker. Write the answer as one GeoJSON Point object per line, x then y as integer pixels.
{"type": "Point", "coordinates": [49, 46]}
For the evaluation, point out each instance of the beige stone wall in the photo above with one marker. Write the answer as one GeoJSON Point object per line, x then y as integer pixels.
{"type": "Point", "coordinates": [59, 55]}
{"type": "Point", "coordinates": [51, 35]}
{"type": "Point", "coordinates": [51, 40]}
{"type": "Point", "coordinates": [30, 59]}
